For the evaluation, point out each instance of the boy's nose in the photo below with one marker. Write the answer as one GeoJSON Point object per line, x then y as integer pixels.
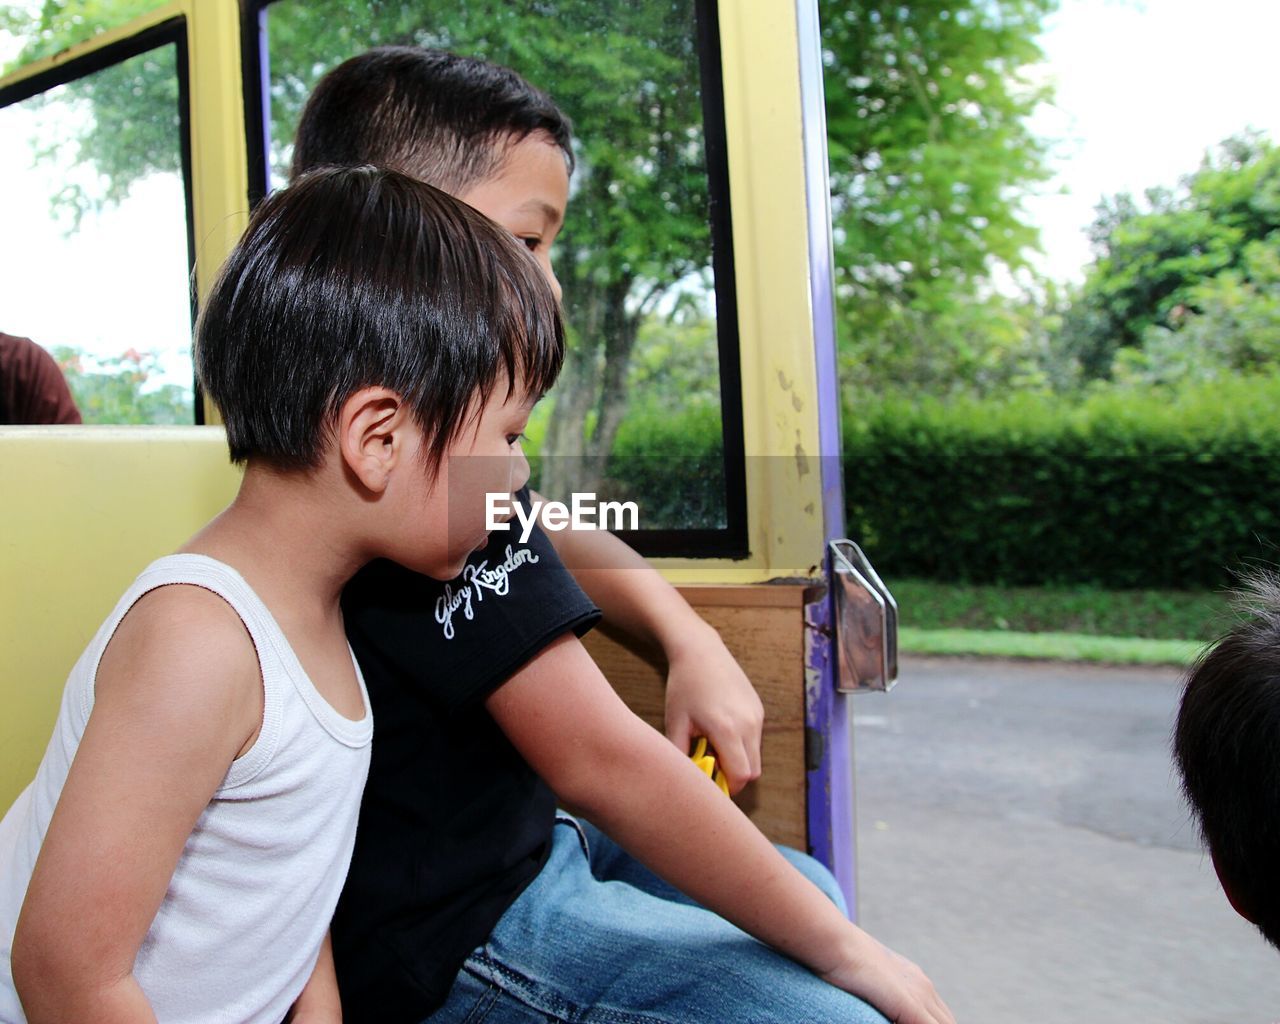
{"type": "Point", "coordinates": [520, 471]}
{"type": "Point", "coordinates": [550, 271]}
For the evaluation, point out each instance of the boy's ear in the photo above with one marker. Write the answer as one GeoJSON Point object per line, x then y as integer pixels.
{"type": "Point", "coordinates": [373, 435]}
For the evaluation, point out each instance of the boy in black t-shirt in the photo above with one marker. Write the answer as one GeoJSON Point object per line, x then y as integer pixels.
{"type": "Point", "coordinates": [466, 891]}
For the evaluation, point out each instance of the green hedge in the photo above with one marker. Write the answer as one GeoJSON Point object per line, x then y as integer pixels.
{"type": "Point", "coordinates": [669, 462]}
{"type": "Point", "coordinates": [1121, 489]}
{"type": "Point", "coordinates": [672, 464]}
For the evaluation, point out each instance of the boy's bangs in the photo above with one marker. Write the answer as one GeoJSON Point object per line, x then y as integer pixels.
{"type": "Point", "coordinates": [533, 343]}
{"type": "Point", "coordinates": [359, 277]}
{"type": "Point", "coordinates": [508, 323]}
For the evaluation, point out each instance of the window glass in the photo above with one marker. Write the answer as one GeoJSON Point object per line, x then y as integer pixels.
{"type": "Point", "coordinates": [639, 402]}
{"type": "Point", "coordinates": [95, 265]}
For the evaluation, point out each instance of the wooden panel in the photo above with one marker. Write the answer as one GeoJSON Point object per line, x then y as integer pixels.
{"type": "Point", "coordinates": [762, 595]}
{"type": "Point", "coordinates": [763, 627]}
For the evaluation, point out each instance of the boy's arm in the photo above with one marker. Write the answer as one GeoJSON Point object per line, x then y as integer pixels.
{"type": "Point", "coordinates": [571, 727]}
{"type": "Point", "coordinates": [319, 1001]}
{"type": "Point", "coordinates": [707, 692]}
{"type": "Point", "coordinates": [177, 696]}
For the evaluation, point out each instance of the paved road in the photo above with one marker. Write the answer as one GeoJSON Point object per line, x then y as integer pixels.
{"type": "Point", "coordinates": [1022, 838]}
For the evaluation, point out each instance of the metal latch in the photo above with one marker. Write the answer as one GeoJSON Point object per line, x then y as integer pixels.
{"type": "Point", "coordinates": [866, 621]}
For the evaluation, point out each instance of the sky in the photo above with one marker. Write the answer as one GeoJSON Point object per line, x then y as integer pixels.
{"type": "Point", "coordinates": [119, 282]}
{"type": "Point", "coordinates": [1143, 87]}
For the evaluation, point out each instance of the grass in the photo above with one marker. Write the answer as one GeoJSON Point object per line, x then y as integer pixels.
{"type": "Point", "coordinates": [1113, 650]}
{"type": "Point", "coordinates": [1161, 627]}
{"type": "Point", "coordinates": [1091, 611]}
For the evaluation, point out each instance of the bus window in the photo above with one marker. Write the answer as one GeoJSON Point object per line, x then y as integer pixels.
{"type": "Point", "coordinates": [648, 407]}
{"type": "Point", "coordinates": [97, 258]}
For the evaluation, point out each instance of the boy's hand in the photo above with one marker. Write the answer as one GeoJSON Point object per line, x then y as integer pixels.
{"type": "Point", "coordinates": [891, 983]}
{"type": "Point", "coordinates": [709, 695]}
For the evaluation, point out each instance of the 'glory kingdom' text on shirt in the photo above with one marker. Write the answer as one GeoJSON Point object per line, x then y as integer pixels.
{"type": "Point", "coordinates": [476, 580]}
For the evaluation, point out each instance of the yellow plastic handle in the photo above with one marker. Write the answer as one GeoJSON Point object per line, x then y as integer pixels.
{"type": "Point", "coordinates": [705, 758]}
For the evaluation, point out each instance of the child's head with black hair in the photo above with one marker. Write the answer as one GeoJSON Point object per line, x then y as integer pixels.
{"type": "Point", "coordinates": [475, 129]}
{"type": "Point", "coordinates": [367, 320]}
{"type": "Point", "coordinates": [431, 114]}
{"type": "Point", "coordinates": [1226, 744]}
{"type": "Point", "coordinates": [359, 277]}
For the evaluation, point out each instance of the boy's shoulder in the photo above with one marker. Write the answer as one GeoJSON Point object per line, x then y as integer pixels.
{"type": "Point", "coordinates": [187, 616]}
{"type": "Point", "coordinates": [183, 646]}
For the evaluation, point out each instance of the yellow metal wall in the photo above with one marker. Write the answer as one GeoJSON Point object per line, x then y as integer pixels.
{"type": "Point", "coordinates": [220, 176]}
{"type": "Point", "coordinates": [84, 510]}
{"type": "Point", "coordinates": [767, 192]}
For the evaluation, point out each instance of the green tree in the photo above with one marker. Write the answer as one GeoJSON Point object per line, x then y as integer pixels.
{"type": "Point", "coordinates": [675, 365]}
{"type": "Point", "coordinates": [120, 389]}
{"type": "Point", "coordinates": [927, 107]}
{"type": "Point", "coordinates": [1230, 327]}
{"type": "Point", "coordinates": [133, 106]}
{"type": "Point", "coordinates": [982, 345]}
{"type": "Point", "coordinates": [626, 74]}
{"type": "Point", "coordinates": [1170, 271]}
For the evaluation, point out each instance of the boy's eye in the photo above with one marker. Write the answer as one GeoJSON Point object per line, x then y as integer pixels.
{"type": "Point", "coordinates": [531, 242]}
{"type": "Point", "coordinates": [513, 438]}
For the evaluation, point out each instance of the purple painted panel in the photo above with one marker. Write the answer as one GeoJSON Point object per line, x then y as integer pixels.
{"type": "Point", "coordinates": [829, 749]}
{"type": "Point", "coordinates": [829, 739]}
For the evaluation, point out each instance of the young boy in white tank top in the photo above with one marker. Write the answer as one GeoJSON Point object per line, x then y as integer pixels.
{"type": "Point", "coordinates": [180, 852]}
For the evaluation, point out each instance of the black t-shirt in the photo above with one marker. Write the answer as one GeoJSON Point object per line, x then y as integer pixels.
{"type": "Point", "coordinates": [454, 824]}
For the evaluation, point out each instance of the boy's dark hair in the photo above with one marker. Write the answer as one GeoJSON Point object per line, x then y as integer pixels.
{"type": "Point", "coordinates": [358, 277]}
{"type": "Point", "coordinates": [430, 114]}
{"type": "Point", "coordinates": [1226, 744]}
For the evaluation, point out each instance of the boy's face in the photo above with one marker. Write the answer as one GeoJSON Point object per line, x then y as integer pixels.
{"type": "Point", "coordinates": [486, 458]}
{"type": "Point", "coordinates": [527, 196]}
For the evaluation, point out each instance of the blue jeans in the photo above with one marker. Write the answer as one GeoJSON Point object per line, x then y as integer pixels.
{"type": "Point", "coordinates": [598, 939]}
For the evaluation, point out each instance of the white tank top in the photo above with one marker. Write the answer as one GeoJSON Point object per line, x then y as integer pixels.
{"type": "Point", "coordinates": [240, 927]}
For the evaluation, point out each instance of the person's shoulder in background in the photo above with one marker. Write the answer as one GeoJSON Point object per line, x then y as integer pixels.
{"type": "Point", "coordinates": [32, 387]}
